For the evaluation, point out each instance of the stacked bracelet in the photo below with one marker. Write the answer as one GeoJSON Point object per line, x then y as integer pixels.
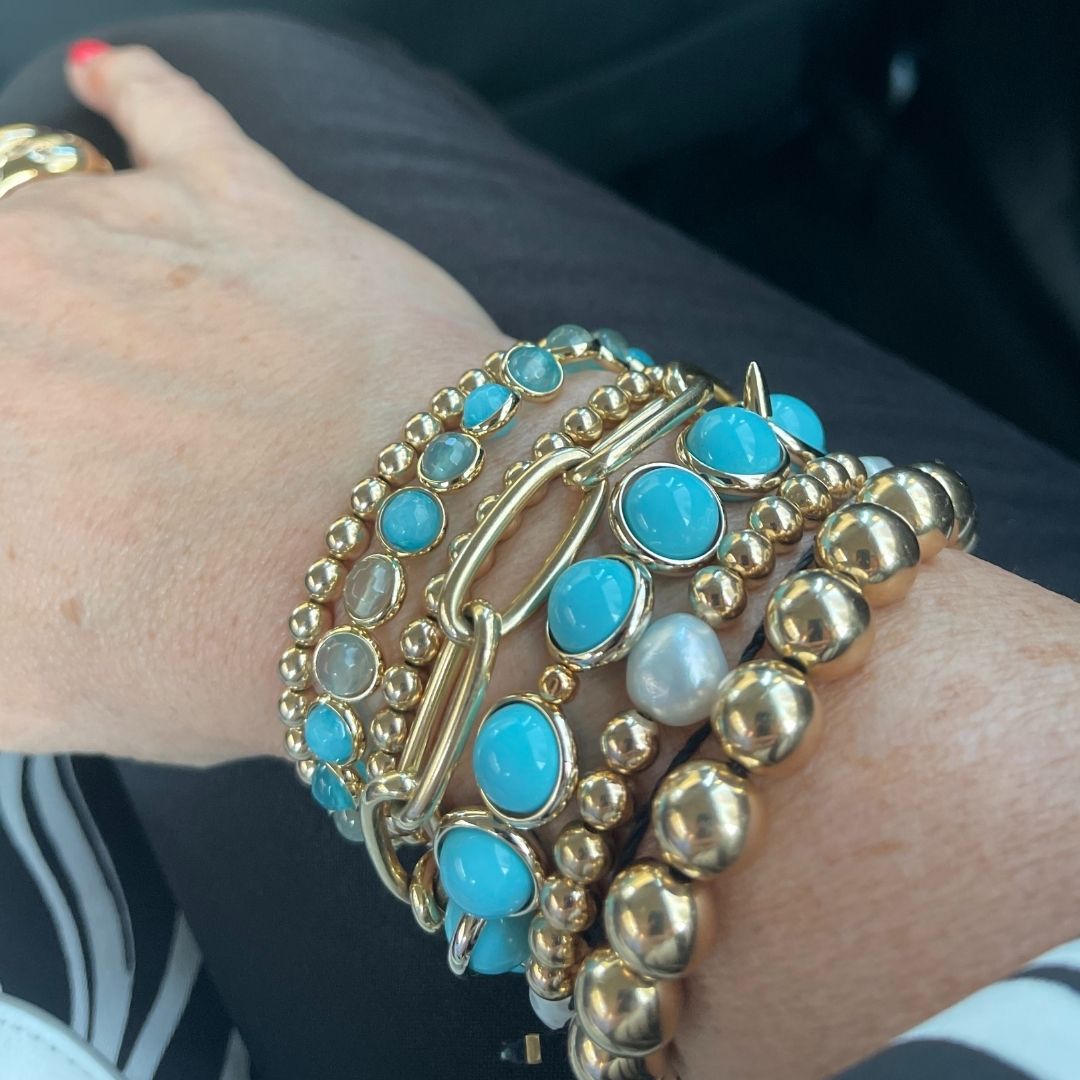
{"type": "Point", "coordinates": [604, 940]}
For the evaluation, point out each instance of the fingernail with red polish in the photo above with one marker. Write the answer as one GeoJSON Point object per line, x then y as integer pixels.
{"type": "Point", "coordinates": [79, 52]}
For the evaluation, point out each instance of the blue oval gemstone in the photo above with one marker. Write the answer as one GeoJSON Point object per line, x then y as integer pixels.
{"type": "Point", "coordinates": [327, 734]}
{"type": "Point", "coordinates": [798, 419]}
{"type": "Point", "coordinates": [588, 603]}
{"type": "Point", "coordinates": [483, 403]}
{"type": "Point", "coordinates": [613, 341]}
{"type": "Point", "coordinates": [568, 336]}
{"type": "Point", "coordinates": [534, 368]}
{"type": "Point", "coordinates": [503, 944]}
{"type": "Point", "coordinates": [516, 758]}
{"type": "Point", "coordinates": [411, 520]}
{"type": "Point", "coordinates": [328, 790]}
{"type": "Point", "coordinates": [448, 456]}
{"type": "Point", "coordinates": [640, 355]}
{"type": "Point", "coordinates": [672, 513]}
{"type": "Point", "coordinates": [483, 874]}
{"type": "Point", "coordinates": [734, 440]}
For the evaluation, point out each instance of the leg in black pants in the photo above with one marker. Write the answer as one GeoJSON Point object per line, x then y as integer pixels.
{"type": "Point", "coordinates": [322, 972]}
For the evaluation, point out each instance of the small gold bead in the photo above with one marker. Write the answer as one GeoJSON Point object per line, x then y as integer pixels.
{"type": "Point", "coordinates": [420, 429]}
{"type": "Point", "coordinates": [552, 947]}
{"type": "Point", "coordinates": [874, 547]}
{"type": "Point", "coordinates": [582, 855]}
{"type": "Point", "coordinates": [495, 364]}
{"type": "Point", "coordinates": [636, 386]}
{"type": "Point", "coordinates": [604, 800]}
{"type": "Point", "coordinates": [514, 471]}
{"type": "Point", "coordinates": [589, 1061]}
{"type": "Point", "coordinates": [777, 520]}
{"type": "Point", "coordinates": [808, 495]}
{"type": "Point", "coordinates": [705, 816]}
{"type": "Point", "coordinates": [820, 621]}
{"type": "Point", "coordinates": [717, 595]}
{"type": "Point", "coordinates": [567, 905]}
{"type": "Point", "coordinates": [748, 554]}
{"type": "Point", "coordinates": [397, 462]}
{"type": "Point", "coordinates": [673, 380]}
{"type": "Point", "coordinates": [305, 770]}
{"type": "Point", "coordinates": [379, 763]}
{"type": "Point", "coordinates": [292, 707]}
{"type": "Point", "coordinates": [296, 668]}
{"type": "Point", "coordinates": [552, 984]}
{"type": "Point", "coordinates": [832, 475]}
{"type": "Point", "coordinates": [558, 684]}
{"type": "Point", "coordinates": [457, 545]}
{"type": "Point", "coordinates": [582, 426]}
{"type": "Point", "coordinates": [965, 517]}
{"type": "Point", "coordinates": [347, 537]}
{"type": "Point", "coordinates": [853, 466]}
{"type": "Point", "coordinates": [920, 500]}
{"type": "Point", "coordinates": [432, 594]}
{"type": "Point", "coordinates": [308, 622]}
{"type": "Point", "coordinates": [402, 687]}
{"type": "Point", "coordinates": [367, 496]}
{"type": "Point", "coordinates": [549, 442]}
{"type": "Point", "coordinates": [389, 730]}
{"type": "Point", "coordinates": [630, 742]}
{"type": "Point", "coordinates": [295, 746]}
{"type": "Point", "coordinates": [420, 642]}
{"type": "Point", "coordinates": [324, 579]}
{"type": "Point", "coordinates": [484, 507]}
{"type": "Point", "coordinates": [446, 406]}
{"type": "Point", "coordinates": [767, 717]}
{"type": "Point", "coordinates": [472, 380]}
{"type": "Point", "coordinates": [655, 375]}
{"type": "Point", "coordinates": [610, 404]}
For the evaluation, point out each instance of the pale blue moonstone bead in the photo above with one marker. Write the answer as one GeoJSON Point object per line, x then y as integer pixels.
{"type": "Point", "coordinates": [534, 368]}
{"type": "Point", "coordinates": [588, 603]}
{"type": "Point", "coordinates": [568, 336]}
{"type": "Point", "coordinates": [672, 512]}
{"type": "Point", "coordinates": [411, 520]}
{"type": "Point", "coordinates": [328, 791]}
{"type": "Point", "coordinates": [448, 456]}
{"type": "Point", "coordinates": [674, 670]}
{"type": "Point", "coordinates": [483, 874]}
{"type": "Point", "coordinates": [327, 735]}
{"type": "Point", "coordinates": [875, 464]}
{"type": "Point", "coordinates": [516, 758]}
{"type": "Point", "coordinates": [640, 355]}
{"type": "Point", "coordinates": [503, 944]}
{"type": "Point", "coordinates": [734, 440]}
{"type": "Point", "coordinates": [613, 341]}
{"type": "Point", "coordinates": [483, 403]}
{"type": "Point", "coordinates": [798, 419]}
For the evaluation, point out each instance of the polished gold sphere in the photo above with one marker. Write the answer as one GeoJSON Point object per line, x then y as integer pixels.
{"type": "Point", "coordinates": [389, 730]}
{"type": "Point", "coordinates": [433, 593]}
{"type": "Point", "coordinates": [833, 476]}
{"type": "Point", "coordinates": [582, 425]}
{"type": "Point", "coordinates": [402, 687]}
{"type": "Point", "coordinates": [630, 742]}
{"type": "Point", "coordinates": [767, 717]}
{"type": "Point", "coordinates": [295, 746]}
{"type": "Point", "coordinates": [396, 462]}
{"type": "Point", "coordinates": [447, 405]}
{"type": "Point", "coordinates": [296, 668]}
{"type": "Point", "coordinates": [705, 816]}
{"type": "Point", "coordinates": [367, 497]}
{"type": "Point", "coordinates": [655, 374]}
{"type": "Point", "coordinates": [610, 404]}
{"type": "Point", "coordinates": [549, 442]}
{"type": "Point", "coordinates": [420, 642]}
{"type": "Point", "coordinates": [293, 706]}
{"type": "Point", "coordinates": [558, 684]}
{"type": "Point", "coordinates": [623, 1012]}
{"type": "Point", "coordinates": [495, 364]}
{"type": "Point", "coordinates": [605, 800]}
{"type": "Point", "coordinates": [673, 380]}
{"type": "Point", "coordinates": [552, 984]}
{"type": "Point", "coordinates": [472, 380]}
{"type": "Point", "coordinates": [660, 926]}
{"type": "Point", "coordinates": [965, 518]}
{"type": "Point", "coordinates": [588, 1061]}
{"type": "Point", "coordinates": [325, 579]}
{"type": "Point", "coordinates": [636, 386]}
{"type": "Point", "coordinates": [421, 428]}
{"type": "Point", "coordinates": [555, 948]}
{"type": "Point", "coordinates": [347, 537]}
{"type": "Point", "coordinates": [820, 621]}
{"type": "Point", "coordinates": [305, 770]}
{"type": "Point", "coordinates": [308, 622]}
{"type": "Point", "coordinates": [874, 547]}
{"type": "Point", "coordinates": [567, 905]}
{"type": "Point", "coordinates": [515, 470]}
{"type": "Point", "coordinates": [485, 506]}
{"type": "Point", "coordinates": [748, 554]}
{"type": "Point", "coordinates": [919, 499]}
{"type": "Point", "coordinates": [808, 495]}
{"type": "Point", "coordinates": [379, 764]}
{"type": "Point", "coordinates": [853, 466]}
{"type": "Point", "coordinates": [717, 595]}
{"type": "Point", "coordinates": [582, 855]}
{"type": "Point", "coordinates": [777, 519]}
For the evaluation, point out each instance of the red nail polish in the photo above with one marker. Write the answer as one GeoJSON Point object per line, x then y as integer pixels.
{"type": "Point", "coordinates": [79, 52]}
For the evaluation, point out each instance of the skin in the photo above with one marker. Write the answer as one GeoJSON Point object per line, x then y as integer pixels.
{"type": "Point", "coordinates": [194, 379]}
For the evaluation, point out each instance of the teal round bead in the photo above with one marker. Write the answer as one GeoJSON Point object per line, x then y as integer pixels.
{"type": "Point", "coordinates": [568, 336]}
{"type": "Point", "coordinates": [483, 403]}
{"type": "Point", "coordinates": [798, 419]}
{"type": "Point", "coordinates": [672, 513]}
{"type": "Point", "coordinates": [534, 368]}
{"type": "Point", "coordinates": [613, 341]}
{"type": "Point", "coordinates": [734, 440]}
{"type": "Point", "coordinates": [411, 520]}
{"type": "Point", "coordinates": [516, 758]}
{"type": "Point", "coordinates": [588, 603]}
{"type": "Point", "coordinates": [328, 791]}
{"type": "Point", "coordinates": [483, 874]}
{"type": "Point", "coordinates": [448, 457]}
{"type": "Point", "coordinates": [640, 355]}
{"type": "Point", "coordinates": [503, 944]}
{"type": "Point", "coordinates": [327, 735]}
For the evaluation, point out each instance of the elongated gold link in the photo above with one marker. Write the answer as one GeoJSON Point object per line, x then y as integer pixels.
{"type": "Point", "coordinates": [379, 797]}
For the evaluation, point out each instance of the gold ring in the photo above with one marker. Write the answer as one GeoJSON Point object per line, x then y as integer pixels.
{"type": "Point", "coordinates": [29, 152]}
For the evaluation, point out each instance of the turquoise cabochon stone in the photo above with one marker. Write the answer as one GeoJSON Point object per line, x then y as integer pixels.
{"type": "Point", "coordinates": [327, 735]}
{"type": "Point", "coordinates": [448, 456]}
{"type": "Point", "coordinates": [798, 419]}
{"type": "Point", "coordinates": [516, 758]}
{"type": "Point", "coordinates": [534, 368]}
{"type": "Point", "coordinates": [483, 874]}
{"type": "Point", "coordinates": [483, 403]}
{"type": "Point", "coordinates": [640, 355]}
{"type": "Point", "coordinates": [732, 439]}
{"type": "Point", "coordinates": [328, 791]}
{"type": "Point", "coordinates": [588, 603]}
{"type": "Point", "coordinates": [411, 520]}
{"type": "Point", "coordinates": [503, 944]}
{"type": "Point", "coordinates": [672, 513]}
{"type": "Point", "coordinates": [613, 341]}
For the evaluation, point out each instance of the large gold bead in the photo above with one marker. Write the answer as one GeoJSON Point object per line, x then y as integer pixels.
{"type": "Point", "coordinates": [660, 926]}
{"type": "Point", "coordinates": [965, 518]}
{"type": "Point", "coordinates": [367, 497]}
{"type": "Point", "coordinates": [421, 428]}
{"type": "Point", "coordinates": [705, 816]}
{"type": "Point", "coordinates": [582, 425]}
{"type": "Point", "coordinates": [610, 404]}
{"type": "Point", "coordinates": [447, 406]}
{"type": "Point", "coordinates": [777, 519]}
{"type": "Point", "coordinates": [630, 742]}
{"type": "Point", "coordinates": [347, 537]}
{"type": "Point", "coordinates": [402, 687]}
{"type": "Point", "coordinates": [833, 476]}
{"type": "Point", "coordinates": [567, 905]}
{"type": "Point", "coordinates": [820, 621]}
{"type": "Point", "coordinates": [552, 947]}
{"type": "Point", "coordinates": [919, 499]}
{"type": "Point", "coordinates": [604, 799]}
{"type": "Point", "coordinates": [767, 717]}
{"type": "Point", "coordinates": [717, 595]}
{"type": "Point", "coordinates": [853, 466]}
{"type": "Point", "coordinates": [582, 855]}
{"type": "Point", "coordinates": [874, 547]}
{"type": "Point", "coordinates": [588, 1061]}
{"type": "Point", "coordinates": [748, 554]}
{"type": "Point", "coordinates": [396, 462]}
{"type": "Point", "coordinates": [623, 1012]}
{"type": "Point", "coordinates": [808, 495]}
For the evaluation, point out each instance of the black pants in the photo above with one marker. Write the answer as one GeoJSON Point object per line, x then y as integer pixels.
{"type": "Point", "coordinates": [321, 971]}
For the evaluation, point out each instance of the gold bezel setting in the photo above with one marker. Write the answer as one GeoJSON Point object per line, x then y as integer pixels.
{"type": "Point", "coordinates": [734, 485]}
{"type": "Point", "coordinates": [457, 482]}
{"type": "Point", "coordinates": [397, 595]}
{"type": "Point", "coordinates": [507, 376]}
{"type": "Point", "coordinates": [376, 667]}
{"type": "Point", "coordinates": [393, 549]}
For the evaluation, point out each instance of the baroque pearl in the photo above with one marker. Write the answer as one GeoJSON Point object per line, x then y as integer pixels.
{"type": "Point", "coordinates": [674, 670]}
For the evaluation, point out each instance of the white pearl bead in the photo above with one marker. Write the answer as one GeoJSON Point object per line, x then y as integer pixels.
{"type": "Point", "coordinates": [674, 670]}
{"type": "Point", "coordinates": [875, 464]}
